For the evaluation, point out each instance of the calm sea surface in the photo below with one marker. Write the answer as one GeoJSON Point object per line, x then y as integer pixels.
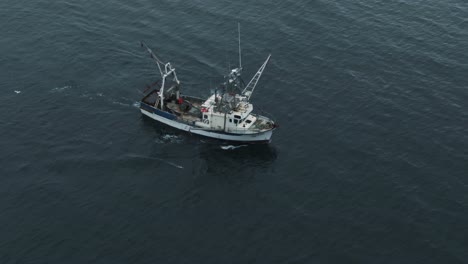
{"type": "Point", "coordinates": [369, 165]}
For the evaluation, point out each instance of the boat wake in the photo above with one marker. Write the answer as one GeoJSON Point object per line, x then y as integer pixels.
{"type": "Point", "coordinates": [134, 104]}
{"type": "Point", "coordinates": [168, 138]}
{"type": "Point", "coordinates": [158, 159]}
{"type": "Point", "coordinates": [123, 101]}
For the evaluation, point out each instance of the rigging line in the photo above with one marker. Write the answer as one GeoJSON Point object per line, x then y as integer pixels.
{"type": "Point", "coordinates": [153, 56]}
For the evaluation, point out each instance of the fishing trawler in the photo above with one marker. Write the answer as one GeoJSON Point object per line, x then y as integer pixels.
{"type": "Point", "coordinates": [227, 114]}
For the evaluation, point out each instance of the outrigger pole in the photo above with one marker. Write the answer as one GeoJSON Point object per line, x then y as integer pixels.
{"type": "Point", "coordinates": [168, 70]}
{"type": "Point", "coordinates": [248, 90]}
{"type": "Point", "coordinates": [153, 56]}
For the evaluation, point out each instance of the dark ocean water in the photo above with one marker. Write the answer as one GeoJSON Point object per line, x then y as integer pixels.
{"type": "Point", "coordinates": [370, 164]}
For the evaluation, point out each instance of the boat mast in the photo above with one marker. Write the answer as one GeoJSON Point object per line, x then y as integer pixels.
{"type": "Point", "coordinates": [233, 83]}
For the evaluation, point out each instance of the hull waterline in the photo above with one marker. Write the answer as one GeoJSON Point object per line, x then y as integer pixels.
{"type": "Point", "coordinates": [262, 137]}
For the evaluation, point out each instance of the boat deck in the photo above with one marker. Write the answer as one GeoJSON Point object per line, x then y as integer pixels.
{"type": "Point", "coordinates": [190, 116]}
{"type": "Point", "coordinates": [262, 123]}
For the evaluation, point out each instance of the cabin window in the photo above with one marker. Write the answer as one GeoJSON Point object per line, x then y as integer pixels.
{"type": "Point", "coordinates": [236, 121]}
{"type": "Point", "coordinates": [205, 116]}
{"type": "Point", "coordinates": [238, 117]}
{"type": "Point", "coordinates": [248, 121]}
{"type": "Point", "coordinates": [230, 120]}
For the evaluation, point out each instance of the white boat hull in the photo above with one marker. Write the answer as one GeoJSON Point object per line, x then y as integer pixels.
{"type": "Point", "coordinates": [250, 138]}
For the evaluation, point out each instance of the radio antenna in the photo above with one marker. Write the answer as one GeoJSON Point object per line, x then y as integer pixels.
{"type": "Point", "coordinates": [240, 53]}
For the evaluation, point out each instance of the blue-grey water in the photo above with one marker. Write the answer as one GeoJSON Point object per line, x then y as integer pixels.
{"type": "Point", "coordinates": [369, 165]}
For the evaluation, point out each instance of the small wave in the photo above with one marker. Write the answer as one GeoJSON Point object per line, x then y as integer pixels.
{"type": "Point", "coordinates": [86, 95]}
{"type": "Point", "coordinates": [16, 91]}
{"type": "Point", "coordinates": [60, 89]}
{"type": "Point", "coordinates": [231, 147]}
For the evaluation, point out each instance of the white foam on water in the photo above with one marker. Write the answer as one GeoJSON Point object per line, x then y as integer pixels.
{"type": "Point", "coordinates": [169, 137]}
{"type": "Point", "coordinates": [16, 91]}
{"type": "Point", "coordinates": [119, 103]}
{"type": "Point", "coordinates": [231, 147]}
{"type": "Point", "coordinates": [60, 89]}
{"type": "Point", "coordinates": [134, 104]}
{"type": "Point", "coordinates": [91, 96]}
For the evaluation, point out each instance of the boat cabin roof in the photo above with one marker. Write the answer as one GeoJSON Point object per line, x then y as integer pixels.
{"type": "Point", "coordinates": [210, 101]}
